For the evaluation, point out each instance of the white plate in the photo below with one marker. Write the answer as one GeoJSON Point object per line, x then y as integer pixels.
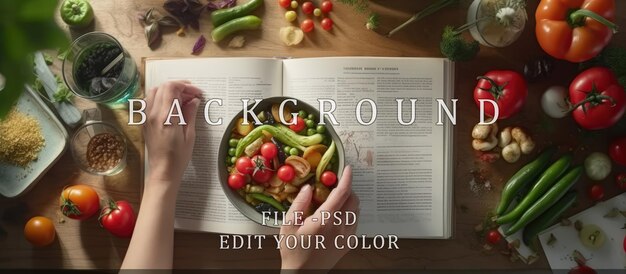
{"type": "Point", "coordinates": [15, 180]}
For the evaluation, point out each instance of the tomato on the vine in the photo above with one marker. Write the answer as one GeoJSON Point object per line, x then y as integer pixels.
{"type": "Point", "coordinates": [39, 231]}
{"type": "Point", "coordinates": [327, 6]}
{"type": "Point", "coordinates": [327, 24]}
{"type": "Point", "coordinates": [244, 165]}
{"type": "Point", "coordinates": [308, 7]}
{"type": "Point", "coordinates": [262, 172]}
{"type": "Point", "coordinates": [118, 218]}
{"type": "Point", "coordinates": [328, 178]}
{"type": "Point", "coordinates": [506, 87]}
{"type": "Point", "coordinates": [493, 236]}
{"type": "Point", "coordinates": [617, 150]}
{"type": "Point", "coordinates": [284, 3]}
{"type": "Point", "coordinates": [307, 25]}
{"type": "Point", "coordinates": [598, 99]}
{"type": "Point", "coordinates": [79, 202]}
{"type": "Point", "coordinates": [236, 181]}
{"type": "Point", "coordinates": [596, 192]}
{"type": "Point", "coordinates": [299, 125]}
{"type": "Point", "coordinates": [286, 173]}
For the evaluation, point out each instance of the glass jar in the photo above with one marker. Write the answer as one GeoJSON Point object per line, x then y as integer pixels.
{"type": "Point", "coordinates": [86, 74]}
{"type": "Point", "coordinates": [98, 147]}
{"type": "Point", "coordinates": [490, 32]}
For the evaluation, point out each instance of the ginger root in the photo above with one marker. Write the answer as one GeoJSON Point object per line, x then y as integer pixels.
{"type": "Point", "coordinates": [514, 142]}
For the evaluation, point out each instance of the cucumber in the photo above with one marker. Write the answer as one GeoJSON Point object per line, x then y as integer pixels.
{"type": "Point", "coordinates": [547, 200]}
{"type": "Point", "coordinates": [546, 180]}
{"type": "Point", "coordinates": [522, 178]}
{"type": "Point", "coordinates": [549, 217]}
{"type": "Point", "coordinates": [222, 16]}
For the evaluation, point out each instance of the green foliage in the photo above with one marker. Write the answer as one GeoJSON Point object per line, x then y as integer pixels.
{"type": "Point", "coordinates": [361, 6]}
{"type": "Point", "coordinates": [455, 47]}
{"type": "Point", "coordinates": [613, 58]}
{"type": "Point", "coordinates": [25, 27]}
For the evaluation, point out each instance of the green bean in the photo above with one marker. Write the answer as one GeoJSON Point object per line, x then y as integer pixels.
{"type": "Point", "coordinates": [249, 22]}
{"type": "Point", "coordinates": [268, 199]}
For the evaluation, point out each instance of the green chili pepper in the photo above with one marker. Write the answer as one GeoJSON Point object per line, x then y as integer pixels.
{"type": "Point", "coordinates": [222, 16]}
{"type": "Point", "coordinates": [269, 200]}
{"type": "Point", "coordinates": [328, 155]}
{"type": "Point", "coordinates": [283, 134]}
{"type": "Point", "coordinates": [249, 22]}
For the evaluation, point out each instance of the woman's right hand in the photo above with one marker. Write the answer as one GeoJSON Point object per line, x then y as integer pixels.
{"type": "Point", "coordinates": [343, 199]}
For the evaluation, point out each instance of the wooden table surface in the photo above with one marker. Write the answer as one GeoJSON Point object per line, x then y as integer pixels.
{"type": "Point", "coordinates": [86, 245]}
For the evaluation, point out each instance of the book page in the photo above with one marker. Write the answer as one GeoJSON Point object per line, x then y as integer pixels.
{"type": "Point", "coordinates": [399, 171]}
{"type": "Point", "coordinates": [202, 204]}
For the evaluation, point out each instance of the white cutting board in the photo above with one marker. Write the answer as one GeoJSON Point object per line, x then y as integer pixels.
{"type": "Point", "coordinates": [610, 256]}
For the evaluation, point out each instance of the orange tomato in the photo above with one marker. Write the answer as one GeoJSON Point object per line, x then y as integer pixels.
{"type": "Point", "coordinates": [575, 30]}
{"type": "Point", "coordinates": [79, 202]}
{"type": "Point", "coordinates": [39, 231]}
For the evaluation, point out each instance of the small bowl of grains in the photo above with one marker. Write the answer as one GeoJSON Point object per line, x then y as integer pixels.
{"type": "Point", "coordinates": [99, 148]}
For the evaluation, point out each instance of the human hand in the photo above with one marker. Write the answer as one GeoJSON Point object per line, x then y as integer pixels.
{"type": "Point", "coordinates": [169, 147]}
{"type": "Point", "coordinates": [343, 199]}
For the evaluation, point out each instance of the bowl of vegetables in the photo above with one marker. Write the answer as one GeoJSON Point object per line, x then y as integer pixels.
{"type": "Point", "coordinates": [264, 166]}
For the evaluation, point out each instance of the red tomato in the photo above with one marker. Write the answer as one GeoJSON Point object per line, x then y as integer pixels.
{"type": "Point", "coordinates": [327, 24]}
{"type": "Point", "coordinates": [307, 25]}
{"type": "Point", "coordinates": [284, 3]}
{"type": "Point", "coordinates": [596, 192]}
{"type": "Point", "coordinates": [118, 218]}
{"type": "Point", "coordinates": [262, 172]}
{"type": "Point", "coordinates": [624, 243]}
{"type": "Point", "coordinates": [508, 88]}
{"type": "Point", "coordinates": [269, 150]}
{"type": "Point", "coordinates": [328, 178]}
{"type": "Point", "coordinates": [298, 126]}
{"type": "Point", "coordinates": [79, 202]}
{"type": "Point", "coordinates": [597, 98]}
{"type": "Point", "coordinates": [327, 6]}
{"type": "Point", "coordinates": [620, 179]}
{"type": "Point", "coordinates": [582, 269]}
{"type": "Point", "coordinates": [244, 165]}
{"type": "Point", "coordinates": [236, 181]}
{"type": "Point", "coordinates": [308, 7]}
{"type": "Point", "coordinates": [617, 150]}
{"type": "Point", "coordinates": [286, 173]}
{"type": "Point", "coordinates": [493, 237]}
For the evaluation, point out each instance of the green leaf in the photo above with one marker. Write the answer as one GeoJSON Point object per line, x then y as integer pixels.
{"type": "Point", "coordinates": [36, 10]}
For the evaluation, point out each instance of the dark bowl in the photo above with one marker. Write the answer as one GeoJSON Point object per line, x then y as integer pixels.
{"type": "Point", "coordinates": [234, 197]}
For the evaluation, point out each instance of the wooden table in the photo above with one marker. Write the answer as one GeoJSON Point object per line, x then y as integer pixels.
{"type": "Point", "coordinates": [86, 245]}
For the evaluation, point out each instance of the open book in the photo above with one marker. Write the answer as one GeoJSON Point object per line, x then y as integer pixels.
{"type": "Point", "coordinates": [401, 174]}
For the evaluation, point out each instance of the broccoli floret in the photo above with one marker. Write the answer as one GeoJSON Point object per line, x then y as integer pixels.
{"type": "Point", "coordinates": [455, 47]}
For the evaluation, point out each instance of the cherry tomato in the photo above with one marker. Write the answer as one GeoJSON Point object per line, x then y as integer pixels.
{"type": "Point", "coordinates": [493, 237]}
{"type": "Point", "coordinates": [307, 25]}
{"type": "Point", "coordinates": [236, 181]}
{"type": "Point", "coordinates": [269, 150]}
{"type": "Point", "coordinates": [596, 192]}
{"type": "Point", "coordinates": [328, 178]}
{"type": "Point", "coordinates": [118, 218]}
{"type": "Point", "coordinates": [294, 4]}
{"type": "Point", "coordinates": [291, 16]}
{"type": "Point", "coordinates": [620, 179]}
{"type": "Point", "coordinates": [308, 7]}
{"type": "Point", "coordinates": [299, 125]}
{"type": "Point", "coordinates": [617, 150]}
{"type": "Point", "coordinates": [79, 202]}
{"type": "Point", "coordinates": [244, 165]}
{"type": "Point", "coordinates": [327, 6]}
{"type": "Point", "coordinates": [39, 231]}
{"type": "Point", "coordinates": [582, 269]}
{"type": "Point", "coordinates": [284, 3]}
{"type": "Point", "coordinates": [286, 173]}
{"type": "Point", "coordinates": [327, 24]}
{"type": "Point", "coordinates": [262, 172]}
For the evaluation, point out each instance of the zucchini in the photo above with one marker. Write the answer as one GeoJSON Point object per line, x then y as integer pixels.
{"type": "Point", "coordinates": [522, 178]}
{"type": "Point", "coordinates": [549, 217]}
{"type": "Point", "coordinates": [547, 200]}
{"type": "Point", "coordinates": [546, 180]}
